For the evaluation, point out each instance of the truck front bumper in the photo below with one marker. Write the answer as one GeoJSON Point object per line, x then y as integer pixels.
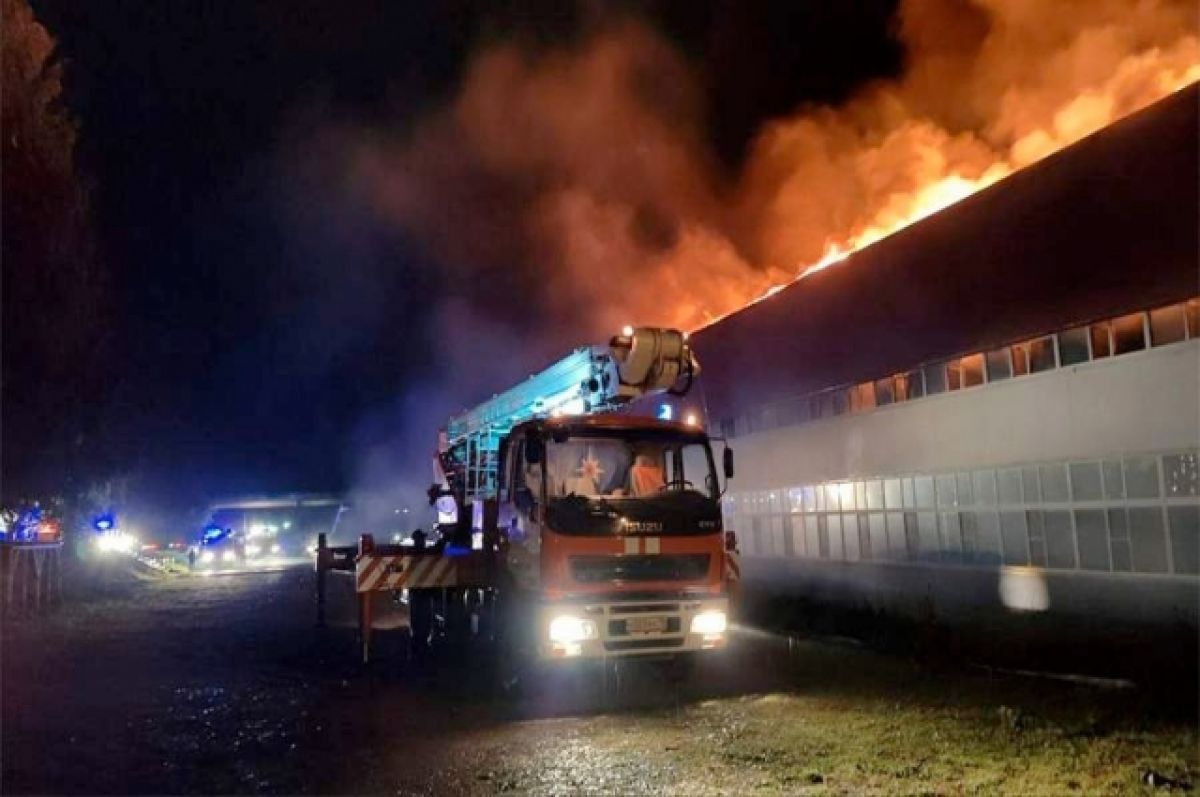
{"type": "Point", "coordinates": [605, 629]}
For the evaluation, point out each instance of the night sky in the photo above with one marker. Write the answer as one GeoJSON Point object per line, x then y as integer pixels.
{"type": "Point", "coordinates": [236, 356]}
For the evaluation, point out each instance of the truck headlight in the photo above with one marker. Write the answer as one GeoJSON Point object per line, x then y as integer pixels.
{"type": "Point", "coordinates": [566, 629]}
{"type": "Point", "coordinates": [712, 622]}
{"type": "Point", "coordinates": [207, 556]}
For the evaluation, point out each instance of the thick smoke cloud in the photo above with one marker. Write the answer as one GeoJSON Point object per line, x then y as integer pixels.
{"type": "Point", "coordinates": [582, 174]}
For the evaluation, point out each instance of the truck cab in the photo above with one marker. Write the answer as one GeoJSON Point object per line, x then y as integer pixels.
{"type": "Point", "coordinates": [611, 532]}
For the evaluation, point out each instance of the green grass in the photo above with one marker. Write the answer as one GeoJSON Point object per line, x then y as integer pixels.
{"type": "Point", "coordinates": [851, 721]}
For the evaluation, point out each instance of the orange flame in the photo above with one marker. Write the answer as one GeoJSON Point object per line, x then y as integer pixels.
{"type": "Point", "coordinates": [1080, 118]}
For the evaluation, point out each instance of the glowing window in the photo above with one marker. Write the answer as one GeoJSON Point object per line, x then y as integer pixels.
{"type": "Point", "coordinates": [1041, 355]}
{"type": "Point", "coordinates": [885, 391]}
{"type": "Point", "coordinates": [1020, 359]}
{"type": "Point", "coordinates": [1167, 325]}
{"type": "Point", "coordinates": [1191, 309]}
{"type": "Point", "coordinates": [953, 375]}
{"type": "Point", "coordinates": [1129, 333]}
{"type": "Point", "coordinates": [972, 370]}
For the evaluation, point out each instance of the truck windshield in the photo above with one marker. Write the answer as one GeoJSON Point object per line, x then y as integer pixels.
{"type": "Point", "coordinates": [628, 467]}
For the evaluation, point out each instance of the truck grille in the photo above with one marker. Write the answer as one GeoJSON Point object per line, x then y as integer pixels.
{"type": "Point", "coordinates": [681, 567]}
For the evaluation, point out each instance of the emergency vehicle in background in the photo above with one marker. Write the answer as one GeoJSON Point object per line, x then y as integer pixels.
{"type": "Point", "coordinates": [608, 523]}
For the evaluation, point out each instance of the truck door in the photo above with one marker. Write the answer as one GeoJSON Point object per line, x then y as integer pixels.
{"type": "Point", "coordinates": [522, 511]}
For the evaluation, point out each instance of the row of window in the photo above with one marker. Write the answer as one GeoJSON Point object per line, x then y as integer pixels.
{"type": "Point", "coordinates": [1059, 515]}
{"type": "Point", "coordinates": [1128, 333]}
{"type": "Point", "coordinates": [1140, 539]}
{"type": "Point", "coordinates": [1175, 475]}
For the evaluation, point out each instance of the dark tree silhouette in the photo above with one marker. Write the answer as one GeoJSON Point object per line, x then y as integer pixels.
{"type": "Point", "coordinates": [53, 333]}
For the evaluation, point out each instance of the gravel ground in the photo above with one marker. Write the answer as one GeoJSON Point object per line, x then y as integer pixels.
{"type": "Point", "coordinates": [223, 685]}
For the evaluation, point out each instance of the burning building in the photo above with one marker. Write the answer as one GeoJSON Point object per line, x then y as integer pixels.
{"type": "Point", "coordinates": [995, 408]}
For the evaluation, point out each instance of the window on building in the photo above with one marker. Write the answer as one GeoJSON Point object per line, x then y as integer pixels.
{"type": "Point", "coordinates": [1009, 486]}
{"type": "Point", "coordinates": [1191, 309]}
{"type": "Point", "coordinates": [1129, 333]}
{"type": "Point", "coordinates": [850, 539]}
{"type": "Point", "coordinates": [930, 547]}
{"type": "Point", "coordinates": [841, 402]}
{"type": "Point", "coordinates": [1185, 538]}
{"type": "Point", "coordinates": [885, 391]}
{"type": "Point", "coordinates": [1141, 477]}
{"type": "Point", "coordinates": [1118, 540]}
{"type": "Point", "coordinates": [1037, 538]}
{"type": "Point", "coordinates": [951, 536]}
{"type": "Point", "coordinates": [972, 370]}
{"type": "Point", "coordinates": [909, 386]}
{"type": "Point", "coordinates": [1020, 358]}
{"type": "Point", "coordinates": [1029, 484]}
{"type": "Point", "coordinates": [935, 379]}
{"type": "Point", "coordinates": [969, 528]}
{"type": "Point", "coordinates": [1181, 475]}
{"type": "Point", "coordinates": [947, 495]}
{"type": "Point", "coordinates": [862, 397]}
{"type": "Point", "coordinates": [984, 483]}
{"type": "Point", "coordinates": [833, 528]}
{"type": "Point", "coordinates": [954, 375]}
{"type": "Point", "coordinates": [1085, 481]}
{"type": "Point", "coordinates": [875, 495]}
{"type": "Point", "coordinates": [1167, 325]}
{"type": "Point", "coordinates": [1114, 483]}
{"type": "Point", "coordinates": [897, 545]}
{"type": "Point", "coordinates": [1092, 536]}
{"type": "Point", "coordinates": [1014, 538]}
{"type": "Point", "coordinates": [1101, 339]}
{"type": "Point", "coordinates": [1041, 355]}
{"type": "Point", "coordinates": [892, 494]}
{"type": "Point", "coordinates": [923, 487]}
{"type": "Point", "coordinates": [966, 495]}
{"type": "Point", "coordinates": [878, 536]}
{"type": "Point", "coordinates": [1073, 346]}
{"type": "Point", "coordinates": [1054, 483]}
{"type": "Point", "coordinates": [1060, 542]}
{"type": "Point", "coordinates": [999, 364]}
{"type": "Point", "coordinates": [1148, 539]}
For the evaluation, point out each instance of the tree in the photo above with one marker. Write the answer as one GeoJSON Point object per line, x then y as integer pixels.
{"type": "Point", "coordinates": [52, 283]}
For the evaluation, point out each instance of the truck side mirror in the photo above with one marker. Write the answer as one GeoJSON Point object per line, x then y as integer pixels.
{"type": "Point", "coordinates": [731, 541]}
{"type": "Point", "coordinates": [523, 499]}
{"type": "Point", "coordinates": [727, 462]}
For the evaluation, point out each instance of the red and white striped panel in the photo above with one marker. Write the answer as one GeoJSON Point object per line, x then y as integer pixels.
{"type": "Point", "coordinates": [400, 572]}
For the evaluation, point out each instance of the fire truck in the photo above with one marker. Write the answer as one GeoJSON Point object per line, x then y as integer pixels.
{"type": "Point", "coordinates": [588, 530]}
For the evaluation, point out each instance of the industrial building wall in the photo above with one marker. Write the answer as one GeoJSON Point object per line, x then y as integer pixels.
{"type": "Point", "coordinates": [1074, 490]}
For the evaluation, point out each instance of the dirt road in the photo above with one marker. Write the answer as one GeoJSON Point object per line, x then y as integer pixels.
{"type": "Point", "coordinates": [223, 685]}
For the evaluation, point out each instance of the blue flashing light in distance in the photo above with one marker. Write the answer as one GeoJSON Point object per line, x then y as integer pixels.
{"type": "Point", "coordinates": [665, 412]}
{"type": "Point", "coordinates": [103, 523]}
{"type": "Point", "coordinates": [213, 532]}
